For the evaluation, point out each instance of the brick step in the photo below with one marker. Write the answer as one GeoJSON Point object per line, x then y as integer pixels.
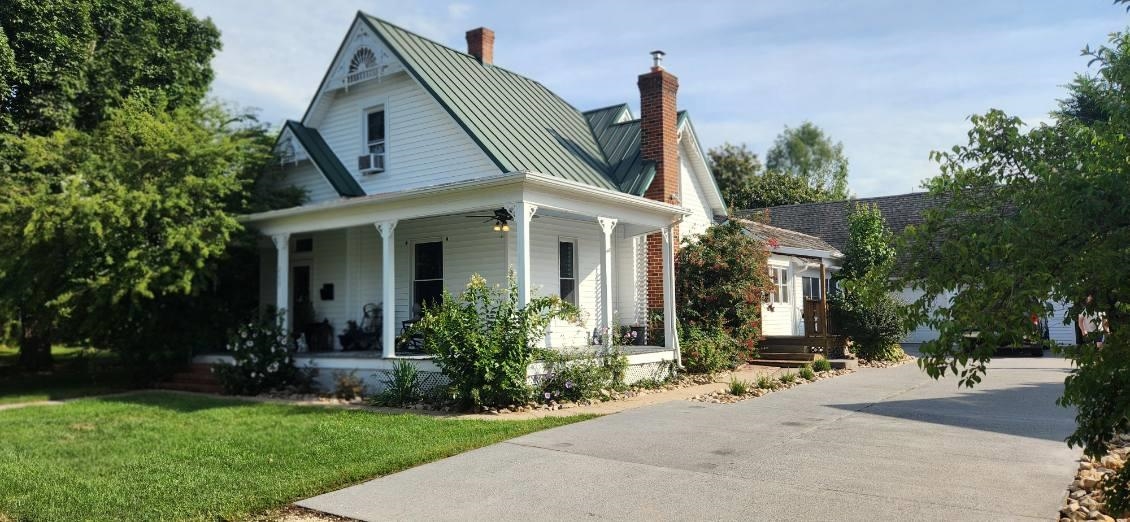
{"type": "Point", "coordinates": [189, 378]}
{"type": "Point", "coordinates": [198, 388]}
{"type": "Point", "coordinates": [809, 357]}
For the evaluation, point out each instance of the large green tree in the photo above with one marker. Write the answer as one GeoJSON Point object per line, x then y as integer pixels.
{"type": "Point", "coordinates": [66, 63]}
{"type": "Point", "coordinates": [745, 184]}
{"type": "Point", "coordinates": [101, 224]}
{"type": "Point", "coordinates": [808, 153]}
{"type": "Point", "coordinates": [1034, 215]}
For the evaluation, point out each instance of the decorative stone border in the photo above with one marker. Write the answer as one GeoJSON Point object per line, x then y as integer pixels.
{"type": "Point", "coordinates": [1085, 494]}
{"type": "Point", "coordinates": [725, 397]}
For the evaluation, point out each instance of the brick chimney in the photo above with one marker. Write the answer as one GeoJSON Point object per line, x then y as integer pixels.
{"type": "Point", "coordinates": [659, 143]}
{"type": "Point", "coordinates": [480, 44]}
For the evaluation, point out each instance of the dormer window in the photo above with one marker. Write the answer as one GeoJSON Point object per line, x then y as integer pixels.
{"type": "Point", "coordinates": [373, 160]}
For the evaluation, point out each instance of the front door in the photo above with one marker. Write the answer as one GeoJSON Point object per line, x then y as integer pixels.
{"type": "Point", "coordinates": [300, 300]}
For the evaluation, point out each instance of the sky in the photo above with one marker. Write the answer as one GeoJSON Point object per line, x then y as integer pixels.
{"type": "Point", "coordinates": [891, 80]}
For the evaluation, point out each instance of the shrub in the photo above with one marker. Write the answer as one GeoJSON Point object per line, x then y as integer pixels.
{"type": "Point", "coordinates": [787, 378]}
{"type": "Point", "coordinates": [649, 384]}
{"type": "Point", "coordinates": [708, 351]}
{"type": "Point", "coordinates": [402, 386]}
{"type": "Point", "coordinates": [822, 365]}
{"type": "Point", "coordinates": [347, 385]}
{"type": "Point", "coordinates": [484, 342]}
{"type": "Point", "coordinates": [765, 382]}
{"type": "Point", "coordinates": [720, 282]}
{"type": "Point", "coordinates": [806, 373]}
{"type": "Point", "coordinates": [262, 361]}
{"type": "Point", "coordinates": [873, 324]}
{"type": "Point", "coordinates": [738, 387]}
{"type": "Point", "coordinates": [580, 375]}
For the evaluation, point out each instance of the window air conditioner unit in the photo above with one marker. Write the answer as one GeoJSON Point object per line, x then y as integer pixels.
{"type": "Point", "coordinates": [371, 163]}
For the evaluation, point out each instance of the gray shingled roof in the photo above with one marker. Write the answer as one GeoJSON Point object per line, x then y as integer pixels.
{"type": "Point", "coordinates": [828, 221]}
{"type": "Point", "coordinates": [785, 237]}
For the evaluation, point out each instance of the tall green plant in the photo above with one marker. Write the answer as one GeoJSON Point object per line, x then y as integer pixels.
{"type": "Point", "coordinates": [483, 341]}
{"type": "Point", "coordinates": [720, 280]}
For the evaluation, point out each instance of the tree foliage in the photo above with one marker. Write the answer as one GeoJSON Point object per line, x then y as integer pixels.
{"type": "Point", "coordinates": [733, 167]}
{"type": "Point", "coordinates": [720, 282]}
{"type": "Point", "coordinates": [66, 63]}
{"type": "Point", "coordinates": [1031, 216]}
{"type": "Point", "coordinates": [806, 152]}
{"type": "Point", "coordinates": [103, 226]}
{"type": "Point", "coordinates": [864, 308]}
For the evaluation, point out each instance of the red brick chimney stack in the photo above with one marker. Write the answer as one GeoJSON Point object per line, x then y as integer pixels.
{"type": "Point", "coordinates": [480, 44]}
{"type": "Point", "coordinates": [659, 143]}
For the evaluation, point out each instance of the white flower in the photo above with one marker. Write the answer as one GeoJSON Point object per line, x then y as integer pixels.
{"type": "Point", "coordinates": [249, 343]}
{"type": "Point", "coordinates": [273, 367]}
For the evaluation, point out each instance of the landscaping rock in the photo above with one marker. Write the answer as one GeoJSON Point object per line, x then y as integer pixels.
{"type": "Point", "coordinates": [1085, 497]}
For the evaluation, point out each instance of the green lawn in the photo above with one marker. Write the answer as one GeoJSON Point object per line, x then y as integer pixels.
{"type": "Point", "coordinates": [165, 456]}
{"type": "Point", "coordinates": [78, 373]}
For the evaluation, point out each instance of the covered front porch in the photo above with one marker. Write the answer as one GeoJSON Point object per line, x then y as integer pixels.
{"type": "Point", "coordinates": [337, 262]}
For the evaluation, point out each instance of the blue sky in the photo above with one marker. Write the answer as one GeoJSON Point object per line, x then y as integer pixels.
{"type": "Point", "coordinates": [892, 80]}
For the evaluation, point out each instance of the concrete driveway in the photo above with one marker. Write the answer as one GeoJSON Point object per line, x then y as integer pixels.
{"type": "Point", "coordinates": [880, 444]}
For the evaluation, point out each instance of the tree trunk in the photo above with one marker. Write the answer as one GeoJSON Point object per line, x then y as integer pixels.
{"type": "Point", "coordinates": [35, 347]}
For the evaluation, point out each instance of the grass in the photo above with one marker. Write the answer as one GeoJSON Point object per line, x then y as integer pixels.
{"type": "Point", "coordinates": [766, 382]}
{"type": "Point", "coordinates": [738, 387]}
{"type": "Point", "coordinates": [822, 365]}
{"type": "Point", "coordinates": [78, 372]}
{"type": "Point", "coordinates": [166, 456]}
{"type": "Point", "coordinates": [806, 373]}
{"type": "Point", "coordinates": [787, 378]}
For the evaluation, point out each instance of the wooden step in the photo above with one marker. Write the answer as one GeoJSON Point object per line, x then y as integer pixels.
{"type": "Point", "coordinates": [779, 348]}
{"type": "Point", "coordinates": [780, 363]}
{"type": "Point", "coordinates": [790, 356]}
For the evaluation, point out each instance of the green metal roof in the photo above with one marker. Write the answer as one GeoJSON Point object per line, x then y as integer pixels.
{"type": "Point", "coordinates": [620, 141]}
{"type": "Point", "coordinates": [519, 123]}
{"type": "Point", "coordinates": [326, 161]}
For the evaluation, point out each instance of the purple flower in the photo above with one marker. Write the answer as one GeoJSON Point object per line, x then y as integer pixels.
{"type": "Point", "coordinates": [547, 395]}
{"type": "Point", "coordinates": [568, 385]}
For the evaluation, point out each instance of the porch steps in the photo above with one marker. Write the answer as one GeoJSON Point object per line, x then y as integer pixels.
{"type": "Point", "coordinates": [197, 378]}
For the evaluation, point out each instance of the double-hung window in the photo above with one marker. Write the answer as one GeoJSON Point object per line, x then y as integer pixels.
{"type": "Point", "coordinates": [780, 277]}
{"type": "Point", "coordinates": [374, 158]}
{"type": "Point", "coordinates": [427, 274]}
{"type": "Point", "coordinates": [567, 265]}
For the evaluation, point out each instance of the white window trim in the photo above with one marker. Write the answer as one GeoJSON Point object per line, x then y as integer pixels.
{"type": "Point", "coordinates": [576, 272]}
{"type": "Point", "coordinates": [381, 106]}
{"type": "Point", "coordinates": [775, 296]}
{"type": "Point", "coordinates": [804, 286]}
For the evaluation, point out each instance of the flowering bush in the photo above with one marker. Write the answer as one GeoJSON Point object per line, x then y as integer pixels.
{"type": "Point", "coordinates": [262, 361]}
{"type": "Point", "coordinates": [720, 283]}
{"type": "Point", "coordinates": [580, 375]}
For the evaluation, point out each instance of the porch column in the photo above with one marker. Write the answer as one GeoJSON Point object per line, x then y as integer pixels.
{"type": "Point", "coordinates": [670, 332]}
{"type": "Point", "coordinates": [523, 213]}
{"type": "Point", "coordinates": [282, 278]}
{"type": "Point", "coordinates": [607, 225]}
{"type": "Point", "coordinates": [388, 287]}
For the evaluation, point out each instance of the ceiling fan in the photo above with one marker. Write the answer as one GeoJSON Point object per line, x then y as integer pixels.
{"type": "Point", "coordinates": [501, 218]}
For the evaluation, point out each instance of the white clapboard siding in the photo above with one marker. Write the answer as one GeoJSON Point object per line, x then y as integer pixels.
{"type": "Point", "coordinates": [306, 176]}
{"type": "Point", "coordinates": [694, 199]}
{"type": "Point", "coordinates": [424, 145]}
{"type": "Point", "coordinates": [1058, 331]}
{"type": "Point", "coordinates": [626, 256]}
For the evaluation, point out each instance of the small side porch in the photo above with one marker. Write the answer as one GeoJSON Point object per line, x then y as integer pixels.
{"type": "Point", "coordinates": [335, 265]}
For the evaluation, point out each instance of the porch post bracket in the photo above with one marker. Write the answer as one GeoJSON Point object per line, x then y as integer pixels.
{"type": "Point", "coordinates": [607, 224]}
{"type": "Point", "coordinates": [282, 278]}
{"type": "Point", "coordinates": [387, 230]}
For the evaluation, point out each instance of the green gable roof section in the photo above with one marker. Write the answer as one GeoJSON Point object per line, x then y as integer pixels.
{"type": "Point", "coordinates": [518, 123]}
{"type": "Point", "coordinates": [324, 158]}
